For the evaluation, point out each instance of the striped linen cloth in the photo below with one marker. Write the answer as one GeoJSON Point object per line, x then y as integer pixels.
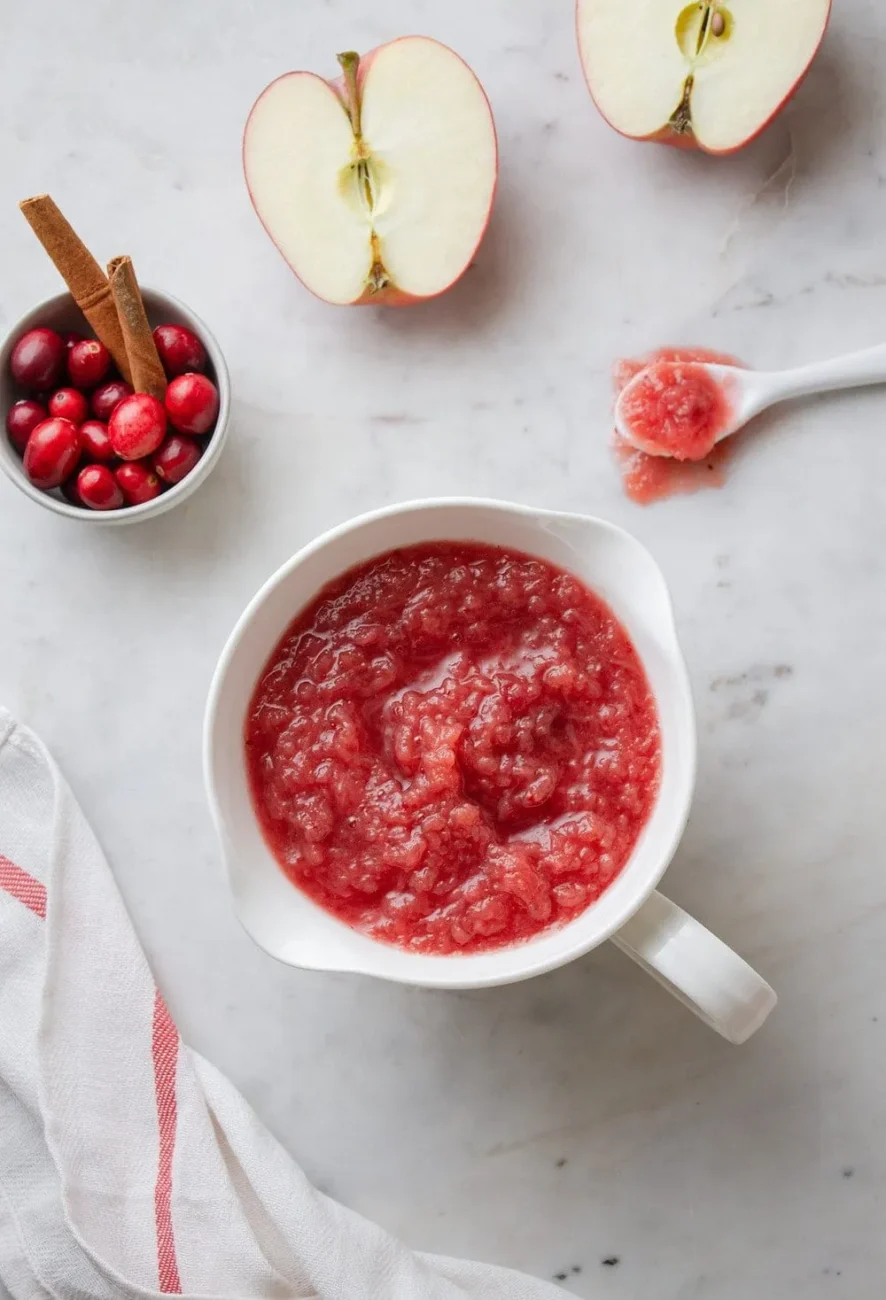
{"type": "Point", "coordinates": [129, 1167]}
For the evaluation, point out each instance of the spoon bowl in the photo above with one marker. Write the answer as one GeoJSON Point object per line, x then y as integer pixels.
{"type": "Point", "coordinates": [684, 408]}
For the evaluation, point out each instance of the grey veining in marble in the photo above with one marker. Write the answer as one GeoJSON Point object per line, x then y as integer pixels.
{"type": "Point", "coordinates": [582, 1125]}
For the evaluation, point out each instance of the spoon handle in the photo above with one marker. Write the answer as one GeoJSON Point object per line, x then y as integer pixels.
{"type": "Point", "coordinates": [854, 370]}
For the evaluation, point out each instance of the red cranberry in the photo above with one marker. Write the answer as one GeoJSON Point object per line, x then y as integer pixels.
{"type": "Point", "coordinates": [52, 452]}
{"type": "Point", "coordinates": [179, 349]}
{"type": "Point", "coordinates": [22, 419]}
{"type": "Point", "coordinates": [70, 493]}
{"type": "Point", "coordinates": [104, 399]}
{"type": "Point", "coordinates": [137, 482]}
{"type": "Point", "coordinates": [176, 458]}
{"type": "Point", "coordinates": [137, 426]}
{"type": "Point", "coordinates": [70, 337]}
{"type": "Point", "coordinates": [98, 488]}
{"type": "Point", "coordinates": [38, 359]}
{"type": "Point", "coordinates": [88, 363]}
{"type": "Point", "coordinates": [192, 403]}
{"type": "Point", "coordinates": [68, 404]}
{"type": "Point", "coordinates": [96, 443]}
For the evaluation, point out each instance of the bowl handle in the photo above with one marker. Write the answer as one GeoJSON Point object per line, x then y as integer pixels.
{"type": "Point", "coordinates": [697, 967]}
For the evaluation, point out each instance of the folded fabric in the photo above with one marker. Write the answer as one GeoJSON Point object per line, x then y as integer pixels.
{"type": "Point", "coordinates": [129, 1167]}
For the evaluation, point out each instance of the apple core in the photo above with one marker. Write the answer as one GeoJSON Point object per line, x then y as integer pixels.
{"type": "Point", "coordinates": [363, 177]}
{"type": "Point", "coordinates": [701, 30]}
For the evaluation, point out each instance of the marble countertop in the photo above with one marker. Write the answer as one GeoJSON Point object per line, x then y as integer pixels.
{"type": "Point", "coordinates": [582, 1125]}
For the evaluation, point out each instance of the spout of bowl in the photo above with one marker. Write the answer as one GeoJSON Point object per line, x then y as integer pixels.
{"type": "Point", "coordinates": [618, 566]}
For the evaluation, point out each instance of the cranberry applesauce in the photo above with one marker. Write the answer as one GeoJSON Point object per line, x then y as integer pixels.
{"type": "Point", "coordinates": [453, 748]}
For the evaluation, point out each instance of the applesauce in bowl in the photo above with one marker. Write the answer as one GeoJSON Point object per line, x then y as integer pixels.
{"type": "Point", "coordinates": [629, 617]}
{"type": "Point", "coordinates": [454, 747]}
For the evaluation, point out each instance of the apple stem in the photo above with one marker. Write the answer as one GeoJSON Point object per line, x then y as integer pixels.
{"type": "Point", "coordinates": [350, 62]}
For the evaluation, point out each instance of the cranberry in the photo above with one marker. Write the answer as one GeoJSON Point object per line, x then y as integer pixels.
{"type": "Point", "coordinates": [137, 426]}
{"type": "Point", "coordinates": [21, 420]}
{"type": "Point", "coordinates": [96, 443]}
{"type": "Point", "coordinates": [88, 363]}
{"type": "Point", "coordinates": [70, 337]}
{"type": "Point", "coordinates": [70, 493]}
{"type": "Point", "coordinates": [176, 458]}
{"type": "Point", "coordinates": [69, 405]}
{"type": "Point", "coordinates": [52, 452]}
{"type": "Point", "coordinates": [179, 349]}
{"type": "Point", "coordinates": [104, 399]}
{"type": "Point", "coordinates": [98, 488]}
{"type": "Point", "coordinates": [38, 359]}
{"type": "Point", "coordinates": [192, 403]}
{"type": "Point", "coordinates": [137, 482]}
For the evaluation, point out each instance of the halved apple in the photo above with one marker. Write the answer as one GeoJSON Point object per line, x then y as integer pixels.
{"type": "Point", "coordinates": [376, 188]}
{"type": "Point", "coordinates": [705, 75]}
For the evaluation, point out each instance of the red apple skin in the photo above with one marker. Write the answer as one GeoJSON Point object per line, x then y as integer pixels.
{"type": "Point", "coordinates": [390, 295]}
{"type": "Point", "coordinates": [686, 139]}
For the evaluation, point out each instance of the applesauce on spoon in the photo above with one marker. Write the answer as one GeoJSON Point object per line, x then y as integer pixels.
{"type": "Point", "coordinates": [649, 478]}
{"type": "Point", "coordinates": [675, 408]}
{"type": "Point", "coordinates": [453, 748]}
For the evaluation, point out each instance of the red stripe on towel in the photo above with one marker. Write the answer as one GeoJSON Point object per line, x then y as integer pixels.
{"type": "Point", "coordinates": [164, 1047]}
{"type": "Point", "coordinates": [23, 887]}
{"type": "Point", "coordinates": [164, 1051]}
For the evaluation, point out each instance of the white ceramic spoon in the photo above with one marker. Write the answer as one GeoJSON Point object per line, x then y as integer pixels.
{"type": "Point", "coordinates": [748, 392]}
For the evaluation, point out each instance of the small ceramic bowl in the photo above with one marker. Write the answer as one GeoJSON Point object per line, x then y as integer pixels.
{"type": "Point", "coordinates": [62, 313]}
{"type": "Point", "coordinates": [693, 964]}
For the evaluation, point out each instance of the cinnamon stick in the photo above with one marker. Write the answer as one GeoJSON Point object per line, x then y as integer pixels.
{"type": "Point", "coordinates": [148, 375]}
{"type": "Point", "coordinates": [81, 273]}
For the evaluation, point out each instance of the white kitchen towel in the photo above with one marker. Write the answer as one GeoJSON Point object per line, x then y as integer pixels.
{"type": "Point", "coordinates": [129, 1166]}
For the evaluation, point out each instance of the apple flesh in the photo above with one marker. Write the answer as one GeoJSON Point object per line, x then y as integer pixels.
{"type": "Point", "coordinates": [376, 188]}
{"type": "Point", "coordinates": [705, 75]}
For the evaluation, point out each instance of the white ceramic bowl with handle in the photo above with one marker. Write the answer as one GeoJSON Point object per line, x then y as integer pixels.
{"type": "Point", "coordinates": [62, 313]}
{"type": "Point", "coordinates": [679, 952]}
